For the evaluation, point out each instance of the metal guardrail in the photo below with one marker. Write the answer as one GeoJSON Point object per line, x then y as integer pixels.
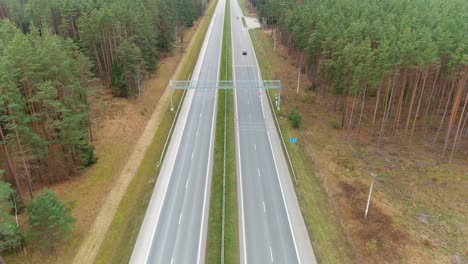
{"type": "Point", "coordinates": [285, 148]}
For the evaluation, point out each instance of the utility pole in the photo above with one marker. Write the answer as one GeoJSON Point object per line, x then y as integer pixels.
{"type": "Point", "coordinates": [370, 193]}
{"type": "Point", "coordinates": [298, 78]}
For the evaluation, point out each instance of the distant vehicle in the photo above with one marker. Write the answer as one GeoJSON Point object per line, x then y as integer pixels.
{"type": "Point", "coordinates": [237, 17]}
{"type": "Point", "coordinates": [244, 52]}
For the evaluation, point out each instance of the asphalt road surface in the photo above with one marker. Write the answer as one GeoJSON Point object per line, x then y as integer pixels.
{"type": "Point", "coordinates": [175, 225]}
{"type": "Point", "coordinates": [272, 229]}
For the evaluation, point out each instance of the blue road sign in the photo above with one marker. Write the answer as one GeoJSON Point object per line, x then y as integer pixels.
{"type": "Point", "coordinates": [293, 140]}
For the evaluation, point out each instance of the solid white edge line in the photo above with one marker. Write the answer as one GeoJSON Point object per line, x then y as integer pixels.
{"type": "Point", "coordinates": [281, 187]}
{"type": "Point", "coordinates": [271, 147]}
{"type": "Point", "coordinates": [153, 230]}
{"type": "Point", "coordinates": [211, 149]}
{"type": "Point", "coordinates": [271, 254]}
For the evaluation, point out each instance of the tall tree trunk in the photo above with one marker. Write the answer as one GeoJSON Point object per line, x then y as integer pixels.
{"type": "Point", "coordinates": [25, 165]}
{"type": "Point", "coordinates": [9, 163]}
{"type": "Point", "coordinates": [454, 112]}
{"type": "Point", "coordinates": [430, 99]}
{"type": "Point", "coordinates": [439, 98]}
{"type": "Point", "coordinates": [426, 73]}
{"type": "Point", "coordinates": [375, 109]}
{"type": "Point", "coordinates": [387, 108]}
{"type": "Point", "coordinates": [462, 131]}
{"type": "Point", "coordinates": [415, 88]}
{"type": "Point", "coordinates": [352, 113]}
{"type": "Point", "coordinates": [400, 103]}
{"type": "Point", "coordinates": [455, 140]}
{"type": "Point", "coordinates": [362, 110]}
{"type": "Point", "coordinates": [445, 113]}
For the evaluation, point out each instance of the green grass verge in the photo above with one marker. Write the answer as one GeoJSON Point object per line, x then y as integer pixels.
{"type": "Point", "coordinates": [225, 115]}
{"type": "Point", "coordinates": [243, 22]}
{"type": "Point", "coordinates": [120, 239]}
{"type": "Point", "coordinates": [243, 6]}
{"type": "Point", "coordinates": [328, 237]}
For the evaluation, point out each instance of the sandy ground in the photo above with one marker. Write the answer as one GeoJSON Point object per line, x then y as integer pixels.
{"type": "Point", "coordinates": [90, 246]}
{"type": "Point", "coordinates": [252, 22]}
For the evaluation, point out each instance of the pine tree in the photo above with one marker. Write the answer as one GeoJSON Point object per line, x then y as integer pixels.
{"type": "Point", "coordinates": [49, 221]}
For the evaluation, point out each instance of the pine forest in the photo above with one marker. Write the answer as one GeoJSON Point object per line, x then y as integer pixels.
{"type": "Point", "coordinates": [404, 63]}
{"type": "Point", "coordinates": [51, 52]}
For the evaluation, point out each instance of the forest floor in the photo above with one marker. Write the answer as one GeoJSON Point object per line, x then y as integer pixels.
{"type": "Point", "coordinates": [122, 129]}
{"type": "Point", "coordinates": [418, 212]}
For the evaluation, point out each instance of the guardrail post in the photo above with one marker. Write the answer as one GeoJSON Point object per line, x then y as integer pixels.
{"type": "Point", "coordinates": [279, 95]}
{"type": "Point", "coordinates": [170, 94]}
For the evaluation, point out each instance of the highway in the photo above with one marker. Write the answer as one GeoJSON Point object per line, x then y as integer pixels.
{"type": "Point", "coordinates": [175, 225]}
{"type": "Point", "coordinates": [271, 226]}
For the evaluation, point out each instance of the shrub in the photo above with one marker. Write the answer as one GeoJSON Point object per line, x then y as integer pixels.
{"type": "Point", "coordinates": [50, 221]}
{"type": "Point", "coordinates": [296, 119]}
{"type": "Point", "coordinates": [335, 124]}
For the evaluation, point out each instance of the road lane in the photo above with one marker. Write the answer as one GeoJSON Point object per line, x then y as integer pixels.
{"type": "Point", "coordinates": [271, 226]}
{"type": "Point", "coordinates": [175, 225]}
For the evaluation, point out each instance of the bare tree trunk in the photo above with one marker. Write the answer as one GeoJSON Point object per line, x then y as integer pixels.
{"type": "Point", "coordinates": [412, 102]}
{"type": "Point", "coordinates": [454, 112]}
{"type": "Point", "coordinates": [438, 100]}
{"type": "Point", "coordinates": [426, 73]}
{"type": "Point", "coordinates": [445, 113]}
{"type": "Point", "coordinates": [386, 110]}
{"type": "Point", "coordinates": [455, 140]}
{"type": "Point", "coordinates": [352, 113]}
{"type": "Point", "coordinates": [461, 132]}
{"type": "Point", "coordinates": [26, 167]}
{"type": "Point", "coordinates": [362, 110]}
{"type": "Point", "coordinates": [430, 98]}
{"type": "Point", "coordinates": [400, 103]}
{"type": "Point", "coordinates": [375, 110]}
